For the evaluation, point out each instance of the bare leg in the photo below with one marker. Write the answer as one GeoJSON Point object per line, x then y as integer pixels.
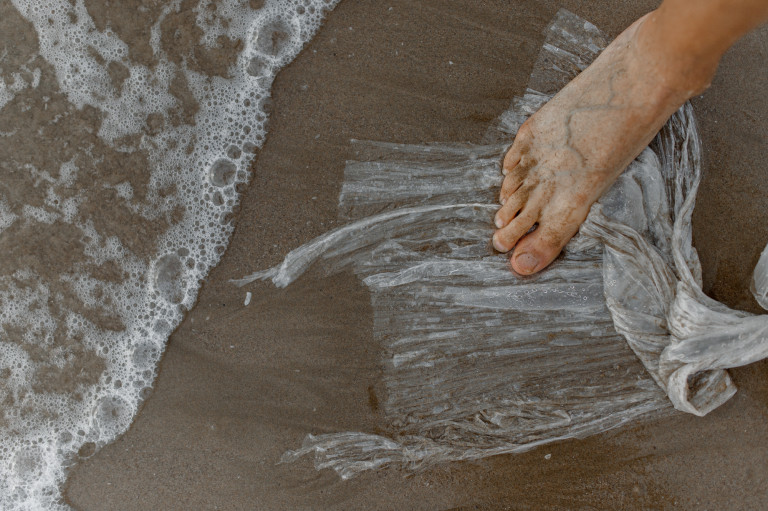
{"type": "Point", "coordinates": [568, 153]}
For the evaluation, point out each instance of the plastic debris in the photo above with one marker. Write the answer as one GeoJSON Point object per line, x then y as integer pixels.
{"type": "Point", "coordinates": [478, 361]}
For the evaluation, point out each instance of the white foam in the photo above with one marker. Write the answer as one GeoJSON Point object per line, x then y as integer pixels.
{"type": "Point", "coordinates": [7, 217]}
{"type": "Point", "coordinates": [229, 126]}
{"type": "Point", "coordinates": [6, 94]}
{"type": "Point", "coordinates": [9, 91]}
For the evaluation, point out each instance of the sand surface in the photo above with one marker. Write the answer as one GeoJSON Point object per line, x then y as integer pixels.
{"type": "Point", "coordinates": [239, 385]}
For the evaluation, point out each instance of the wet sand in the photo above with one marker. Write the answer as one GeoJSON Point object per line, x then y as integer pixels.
{"type": "Point", "coordinates": [239, 385]}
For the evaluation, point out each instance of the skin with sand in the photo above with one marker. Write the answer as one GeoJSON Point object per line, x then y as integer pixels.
{"type": "Point", "coordinates": [571, 151]}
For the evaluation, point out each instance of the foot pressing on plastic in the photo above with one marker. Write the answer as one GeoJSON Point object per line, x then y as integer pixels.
{"type": "Point", "coordinates": [568, 153]}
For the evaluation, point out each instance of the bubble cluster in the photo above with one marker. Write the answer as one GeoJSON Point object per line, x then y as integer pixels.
{"type": "Point", "coordinates": [7, 92]}
{"type": "Point", "coordinates": [201, 162]}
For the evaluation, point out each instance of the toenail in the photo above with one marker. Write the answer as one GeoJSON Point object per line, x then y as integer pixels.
{"type": "Point", "coordinates": [527, 262]}
{"type": "Point", "coordinates": [497, 244]}
{"type": "Point", "coordinates": [499, 222]}
{"type": "Point", "coordinates": [502, 201]}
{"type": "Point", "coordinates": [504, 172]}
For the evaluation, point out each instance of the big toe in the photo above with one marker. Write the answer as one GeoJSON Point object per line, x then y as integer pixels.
{"type": "Point", "coordinates": [538, 249]}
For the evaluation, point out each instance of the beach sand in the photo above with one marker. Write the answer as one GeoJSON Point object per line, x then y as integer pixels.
{"type": "Point", "coordinates": [239, 385]}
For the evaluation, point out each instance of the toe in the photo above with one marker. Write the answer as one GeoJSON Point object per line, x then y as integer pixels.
{"type": "Point", "coordinates": [538, 249]}
{"type": "Point", "coordinates": [519, 148]}
{"type": "Point", "coordinates": [511, 207]}
{"type": "Point", "coordinates": [512, 158]}
{"type": "Point", "coordinates": [506, 238]}
{"type": "Point", "coordinates": [513, 181]}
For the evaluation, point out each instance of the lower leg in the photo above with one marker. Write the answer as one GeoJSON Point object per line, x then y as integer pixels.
{"type": "Point", "coordinates": [695, 34]}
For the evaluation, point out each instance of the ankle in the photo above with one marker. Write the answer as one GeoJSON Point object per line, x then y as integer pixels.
{"type": "Point", "coordinates": [682, 67]}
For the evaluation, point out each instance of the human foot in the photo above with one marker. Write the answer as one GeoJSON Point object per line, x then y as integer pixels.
{"type": "Point", "coordinates": [567, 154]}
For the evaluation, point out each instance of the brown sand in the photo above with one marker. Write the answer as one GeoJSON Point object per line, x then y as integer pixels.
{"type": "Point", "coordinates": [239, 385]}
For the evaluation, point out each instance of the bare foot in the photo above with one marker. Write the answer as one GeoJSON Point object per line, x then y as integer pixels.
{"type": "Point", "coordinates": [568, 153]}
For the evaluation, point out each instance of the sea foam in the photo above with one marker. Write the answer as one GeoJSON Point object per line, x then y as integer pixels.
{"type": "Point", "coordinates": [120, 231]}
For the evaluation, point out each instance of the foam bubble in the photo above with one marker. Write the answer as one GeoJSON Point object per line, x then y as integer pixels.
{"type": "Point", "coordinates": [110, 413]}
{"type": "Point", "coordinates": [276, 35]}
{"type": "Point", "coordinates": [234, 152]}
{"type": "Point", "coordinates": [169, 278]}
{"type": "Point", "coordinates": [258, 66]}
{"type": "Point", "coordinates": [222, 172]}
{"type": "Point", "coordinates": [145, 355]}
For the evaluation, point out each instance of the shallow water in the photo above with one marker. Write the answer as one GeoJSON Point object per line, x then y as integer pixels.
{"type": "Point", "coordinates": [127, 133]}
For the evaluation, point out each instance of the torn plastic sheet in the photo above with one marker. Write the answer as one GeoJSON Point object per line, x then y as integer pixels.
{"type": "Point", "coordinates": [478, 361]}
{"type": "Point", "coordinates": [759, 285]}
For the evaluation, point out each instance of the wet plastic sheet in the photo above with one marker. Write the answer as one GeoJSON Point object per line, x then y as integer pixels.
{"type": "Point", "coordinates": [478, 361]}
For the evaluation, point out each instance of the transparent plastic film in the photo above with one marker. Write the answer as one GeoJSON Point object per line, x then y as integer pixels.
{"type": "Point", "coordinates": [478, 361]}
{"type": "Point", "coordinates": [759, 285]}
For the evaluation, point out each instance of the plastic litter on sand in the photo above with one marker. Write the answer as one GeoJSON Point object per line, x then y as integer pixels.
{"type": "Point", "coordinates": [478, 361]}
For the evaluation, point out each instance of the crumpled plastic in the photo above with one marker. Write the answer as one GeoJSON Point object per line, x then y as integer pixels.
{"type": "Point", "coordinates": [478, 361]}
